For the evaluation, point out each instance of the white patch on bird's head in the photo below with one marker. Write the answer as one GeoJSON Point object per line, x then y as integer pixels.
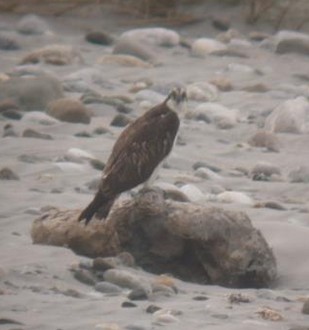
{"type": "Point", "coordinates": [177, 100]}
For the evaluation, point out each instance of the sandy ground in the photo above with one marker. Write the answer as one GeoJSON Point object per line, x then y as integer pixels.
{"type": "Point", "coordinates": [34, 280]}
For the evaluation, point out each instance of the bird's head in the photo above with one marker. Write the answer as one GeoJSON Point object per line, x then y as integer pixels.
{"type": "Point", "coordinates": [177, 99]}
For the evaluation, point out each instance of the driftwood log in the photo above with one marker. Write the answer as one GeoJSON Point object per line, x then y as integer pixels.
{"type": "Point", "coordinates": [195, 243]}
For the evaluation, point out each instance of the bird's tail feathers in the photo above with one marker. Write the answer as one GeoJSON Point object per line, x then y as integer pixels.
{"type": "Point", "coordinates": [101, 205]}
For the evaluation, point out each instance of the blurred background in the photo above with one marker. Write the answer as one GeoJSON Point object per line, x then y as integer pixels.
{"type": "Point", "coordinates": [276, 14]}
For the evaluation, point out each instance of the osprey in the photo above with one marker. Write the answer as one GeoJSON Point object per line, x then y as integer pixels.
{"type": "Point", "coordinates": [137, 153]}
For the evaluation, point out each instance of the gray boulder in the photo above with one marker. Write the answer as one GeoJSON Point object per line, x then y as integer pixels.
{"type": "Point", "coordinates": [31, 93]}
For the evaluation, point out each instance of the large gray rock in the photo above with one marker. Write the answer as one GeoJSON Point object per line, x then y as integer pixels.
{"type": "Point", "coordinates": [135, 48]}
{"type": "Point", "coordinates": [193, 242]}
{"type": "Point", "coordinates": [289, 117]}
{"type": "Point", "coordinates": [33, 93]}
{"type": "Point", "coordinates": [292, 42]}
{"type": "Point", "coordinates": [32, 25]}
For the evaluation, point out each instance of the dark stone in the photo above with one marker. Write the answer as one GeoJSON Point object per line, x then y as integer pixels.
{"type": "Point", "coordinates": [221, 23]}
{"type": "Point", "coordinates": [97, 164]}
{"type": "Point", "coordinates": [122, 108]}
{"type": "Point", "coordinates": [138, 294]}
{"type": "Point", "coordinates": [200, 298]}
{"type": "Point", "coordinates": [199, 164]}
{"type": "Point", "coordinates": [100, 130]}
{"type": "Point", "coordinates": [84, 276]}
{"type": "Point", "coordinates": [297, 45]}
{"type": "Point", "coordinates": [12, 114]}
{"type": "Point", "coordinates": [7, 174]}
{"type": "Point", "coordinates": [83, 134]}
{"type": "Point", "coordinates": [102, 264]}
{"type": "Point", "coordinates": [31, 133]}
{"type": "Point", "coordinates": [32, 159]}
{"type": "Point", "coordinates": [99, 38]}
{"type": "Point", "coordinates": [128, 304]}
{"type": "Point", "coordinates": [8, 130]}
{"type": "Point", "coordinates": [7, 43]}
{"type": "Point", "coordinates": [106, 287]}
{"type": "Point", "coordinates": [120, 120]}
{"type": "Point", "coordinates": [305, 309]}
{"type": "Point", "coordinates": [152, 309]}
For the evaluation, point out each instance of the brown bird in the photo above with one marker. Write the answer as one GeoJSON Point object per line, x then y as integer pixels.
{"type": "Point", "coordinates": [137, 153]}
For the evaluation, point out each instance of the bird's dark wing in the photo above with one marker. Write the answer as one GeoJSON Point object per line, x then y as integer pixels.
{"type": "Point", "coordinates": [139, 150]}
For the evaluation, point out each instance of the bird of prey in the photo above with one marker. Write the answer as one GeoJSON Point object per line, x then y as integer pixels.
{"type": "Point", "coordinates": [137, 153]}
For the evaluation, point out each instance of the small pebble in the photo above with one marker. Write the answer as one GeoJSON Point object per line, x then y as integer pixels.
{"type": "Point", "coordinates": [12, 114]}
{"type": "Point", "coordinates": [7, 174]}
{"type": "Point", "coordinates": [99, 38]}
{"type": "Point", "coordinates": [83, 134]}
{"type": "Point", "coordinates": [122, 108]}
{"type": "Point", "coordinates": [152, 309]}
{"type": "Point", "coordinates": [102, 264]}
{"type": "Point", "coordinates": [200, 298]}
{"type": "Point", "coordinates": [164, 316]}
{"type": "Point", "coordinates": [31, 133]}
{"type": "Point", "coordinates": [84, 276]}
{"type": "Point", "coordinates": [120, 120]}
{"type": "Point", "coordinates": [100, 130]}
{"type": "Point", "coordinates": [106, 287]}
{"type": "Point", "coordinates": [97, 164]}
{"type": "Point", "coordinates": [128, 304]}
{"type": "Point", "coordinates": [237, 298]}
{"type": "Point", "coordinates": [8, 130]}
{"type": "Point", "coordinates": [270, 314]}
{"type": "Point", "coordinates": [220, 316]}
{"type": "Point", "coordinates": [138, 294]}
{"type": "Point", "coordinates": [305, 309]}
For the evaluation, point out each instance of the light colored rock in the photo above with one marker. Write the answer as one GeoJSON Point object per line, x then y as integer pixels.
{"type": "Point", "coordinates": [164, 316]}
{"type": "Point", "coordinates": [229, 35]}
{"type": "Point", "coordinates": [154, 36]}
{"type": "Point", "coordinates": [300, 174]}
{"type": "Point", "coordinates": [150, 96]}
{"type": "Point", "coordinates": [202, 92]}
{"type": "Point", "coordinates": [235, 197]}
{"type": "Point", "coordinates": [39, 118]}
{"type": "Point", "coordinates": [31, 93]}
{"type": "Point", "coordinates": [205, 46]}
{"type": "Point", "coordinates": [78, 155]}
{"type": "Point", "coordinates": [127, 279]}
{"type": "Point", "coordinates": [206, 173]}
{"type": "Point", "coordinates": [69, 110]}
{"type": "Point", "coordinates": [263, 171]}
{"type": "Point", "coordinates": [127, 46]}
{"type": "Point", "coordinates": [220, 115]}
{"type": "Point", "coordinates": [289, 117]}
{"type": "Point", "coordinates": [70, 167]}
{"type": "Point", "coordinates": [53, 54]}
{"type": "Point", "coordinates": [33, 24]}
{"type": "Point", "coordinates": [241, 68]}
{"type": "Point", "coordinates": [123, 60]}
{"type": "Point", "coordinates": [193, 193]}
{"type": "Point", "coordinates": [265, 139]}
